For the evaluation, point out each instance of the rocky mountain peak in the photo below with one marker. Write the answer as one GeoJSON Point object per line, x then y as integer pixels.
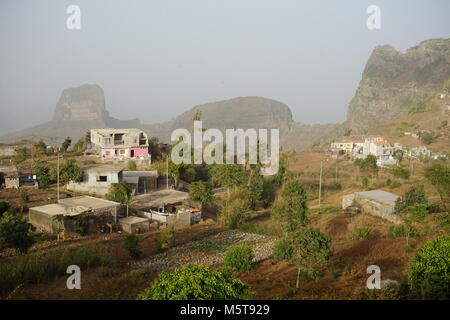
{"type": "Point", "coordinates": [86, 102]}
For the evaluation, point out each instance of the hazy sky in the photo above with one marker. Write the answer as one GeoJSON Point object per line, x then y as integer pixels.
{"type": "Point", "coordinates": [156, 59]}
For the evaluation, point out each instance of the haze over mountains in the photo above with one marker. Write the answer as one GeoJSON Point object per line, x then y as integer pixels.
{"type": "Point", "coordinates": [393, 84]}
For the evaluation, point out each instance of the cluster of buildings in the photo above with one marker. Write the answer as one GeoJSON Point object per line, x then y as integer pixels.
{"type": "Point", "coordinates": [154, 205]}
{"type": "Point", "coordinates": [381, 149]}
{"type": "Point", "coordinates": [163, 208]}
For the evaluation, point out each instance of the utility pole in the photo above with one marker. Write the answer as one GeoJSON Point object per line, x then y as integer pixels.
{"type": "Point", "coordinates": [320, 184]}
{"type": "Point", "coordinates": [167, 172]}
{"type": "Point", "coordinates": [57, 176]}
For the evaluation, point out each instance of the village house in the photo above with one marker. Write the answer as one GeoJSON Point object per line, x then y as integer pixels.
{"type": "Point", "coordinates": [168, 207]}
{"type": "Point", "coordinates": [375, 202]}
{"type": "Point", "coordinates": [97, 179]}
{"type": "Point", "coordinates": [101, 215]}
{"type": "Point", "coordinates": [10, 177]}
{"type": "Point", "coordinates": [120, 143]}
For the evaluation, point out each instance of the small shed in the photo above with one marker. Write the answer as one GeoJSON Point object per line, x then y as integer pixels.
{"type": "Point", "coordinates": [375, 202]}
{"type": "Point", "coordinates": [134, 224]}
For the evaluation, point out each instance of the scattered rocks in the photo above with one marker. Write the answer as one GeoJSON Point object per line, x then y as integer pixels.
{"type": "Point", "coordinates": [208, 251]}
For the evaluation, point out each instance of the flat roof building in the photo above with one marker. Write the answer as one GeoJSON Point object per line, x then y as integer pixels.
{"type": "Point", "coordinates": [376, 202]}
{"type": "Point", "coordinates": [44, 217]}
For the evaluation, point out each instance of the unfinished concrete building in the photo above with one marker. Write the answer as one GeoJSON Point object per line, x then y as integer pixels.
{"type": "Point", "coordinates": [375, 202]}
{"type": "Point", "coordinates": [62, 217]}
{"type": "Point", "coordinates": [120, 143]}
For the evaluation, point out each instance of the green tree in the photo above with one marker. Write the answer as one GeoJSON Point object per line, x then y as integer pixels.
{"type": "Point", "coordinates": [438, 174]}
{"type": "Point", "coordinates": [40, 148]}
{"type": "Point", "coordinates": [66, 144]}
{"type": "Point", "coordinates": [429, 271]}
{"type": "Point", "coordinates": [4, 207]}
{"type": "Point", "coordinates": [202, 192]}
{"type": "Point", "coordinates": [21, 155]}
{"type": "Point", "coordinates": [24, 198]}
{"type": "Point", "coordinates": [239, 258]}
{"type": "Point", "coordinates": [414, 195]}
{"type": "Point", "coordinates": [196, 283]}
{"type": "Point", "coordinates": [132, 245]}
{"type": "Point", "coordinates": [119, 192]}
{"type": "Point", "coordinates": [290, 208]}
{"type": "Point", "coordinates": [228, 175]}
{"type": "Point", "coordinates": [68, 171]}
{"type": "Point", "coordinates": [369, 164]}
{"type": "Point", "coordinates": [80, 145]}
{"type": "Point", "coordinates": [283, 250]}
{"type": "Point", "coordinates": [310, 252]}
{"type": "Point", "coordinates": [400, 172]}
{"type": "Point", "coordinates": [15, 232]}
{"type": "Point", "coordinates": [255, 186]}
{"type": "Point", "coordinates": [426, 137]}
{"type": "Point", "coordinates": [43, 176]}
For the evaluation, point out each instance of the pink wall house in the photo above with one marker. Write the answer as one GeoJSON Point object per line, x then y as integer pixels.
{"type": "Point", "coordinates": [124, 153]}
{"type": "Point", "coordinates": [137, 152]}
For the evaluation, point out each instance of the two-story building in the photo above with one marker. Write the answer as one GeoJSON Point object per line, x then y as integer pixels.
{"type": "Point", "coordinates": [120, 143]}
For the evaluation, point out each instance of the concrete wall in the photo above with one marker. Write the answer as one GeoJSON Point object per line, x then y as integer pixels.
{"type": "Point", "coordinates": [379, 209]}
{"type": "Point", "coordinates": [181, 219]}
{"type": "Point", "coordinates": [91, 185]}
{"type": "Point", "coordinates": [143, 226]}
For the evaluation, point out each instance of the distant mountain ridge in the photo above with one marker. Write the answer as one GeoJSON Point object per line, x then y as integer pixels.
{"type": "Point", "coordinates": [393, 84]}
{"type": "Point", "coordinates": [77, 110]}
{"type": "Point", "coordinates": [83, 108]}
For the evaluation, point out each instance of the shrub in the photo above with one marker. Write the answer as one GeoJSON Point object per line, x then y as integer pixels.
{"type": "Point", "coordinates": [239, 258]}
{"type": "Point", "coordinates": [4, 206]}
{"type": "Point", "coordinates": [165, 239]}
{"type": "Point", "coordinates": [417, 212]}
{"type": "Point", "coordinates": [400, 172]}
{"type": "Point", "coordinates": [131, 244]}
{"type": "Point", "coordinates": [119, 192]}
{"type": "Point", "coordinates": [394, 184]}
{"type": "Point", "coordinates": [282, 250]}
{"type": "Point", "coordinates": [131, 165]}
{"type": "Point", "coordinates": [429, 271]}
{"type": "Point", "coordinates": [196, 283]}
{"type": "Point", "coordinates": [201, 191]}
{"type": "Point", "coordinates": [236, 209]}
{"type": "Point", "coordinates": [15, 232]}
{"type": "Point", "coordinates": [414, 195]}
{"type": "Point", "coordinates": [38, 267]}
{"type": "Point", "coordinates": [363, 233]}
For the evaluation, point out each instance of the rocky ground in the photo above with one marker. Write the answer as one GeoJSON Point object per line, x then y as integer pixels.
{"type": "Point", "coordinates": [208, 251]}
